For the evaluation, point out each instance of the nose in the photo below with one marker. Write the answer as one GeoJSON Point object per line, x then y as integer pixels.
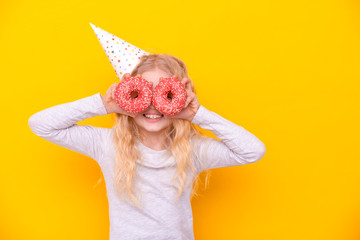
{"type": "Point", "coordinates": [152, 106]}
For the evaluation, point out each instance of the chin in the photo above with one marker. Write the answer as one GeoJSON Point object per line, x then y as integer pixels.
{"type": "Point", "coordinates": [154, 127]}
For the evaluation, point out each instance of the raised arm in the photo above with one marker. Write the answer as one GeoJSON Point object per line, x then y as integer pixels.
{"type": "Point", "coordinates": [237, 146]}
{"type": "Point", "coordinates": [57, 124]}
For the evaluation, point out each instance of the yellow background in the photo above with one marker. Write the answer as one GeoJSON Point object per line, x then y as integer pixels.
{"type": "Point", "coordinates": [286, 71]}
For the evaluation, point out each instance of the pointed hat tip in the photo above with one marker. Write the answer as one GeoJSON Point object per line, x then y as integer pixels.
{"type": "Point", "coordinates": [92, 25]}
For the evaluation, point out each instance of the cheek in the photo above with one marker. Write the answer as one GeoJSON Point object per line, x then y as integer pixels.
{"type": "Point", "coordinates": [138, 118]}
{"type": "Point", "coordinates": [169, 121]}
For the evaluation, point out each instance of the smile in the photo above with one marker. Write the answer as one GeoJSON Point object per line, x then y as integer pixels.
{"type": "Point", "coordinates": [152, 116]}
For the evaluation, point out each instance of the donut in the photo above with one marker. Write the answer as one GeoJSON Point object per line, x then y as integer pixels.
{"type": "Point", "coordinates": [134, 94]}
{"type": "Point", "coordinates": [169, 96]}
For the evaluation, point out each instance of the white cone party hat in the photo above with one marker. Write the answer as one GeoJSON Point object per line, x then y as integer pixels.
{"type": "Point", "coordinates": [122, 55]}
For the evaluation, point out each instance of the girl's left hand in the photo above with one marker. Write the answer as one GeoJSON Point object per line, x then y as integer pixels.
{"type": "Point", "coordinates": [192, 104]}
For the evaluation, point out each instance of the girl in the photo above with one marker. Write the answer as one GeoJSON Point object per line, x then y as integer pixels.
{"type": "Point", "coordinates": [149, 165]}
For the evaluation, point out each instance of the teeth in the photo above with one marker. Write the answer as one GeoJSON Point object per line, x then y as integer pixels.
{"type": "Point", "coordinates": [152, 116]}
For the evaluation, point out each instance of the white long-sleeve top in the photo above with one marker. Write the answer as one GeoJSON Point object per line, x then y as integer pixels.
{"type": "Point", "coordinates": [160, 217]}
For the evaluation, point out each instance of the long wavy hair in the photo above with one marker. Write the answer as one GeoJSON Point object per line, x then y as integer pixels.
{"type": "Point", "coordinates": [178, 134]}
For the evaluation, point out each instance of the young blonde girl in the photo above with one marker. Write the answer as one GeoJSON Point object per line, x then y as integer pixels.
{"type": "Point", "coordinates": [151, 167]}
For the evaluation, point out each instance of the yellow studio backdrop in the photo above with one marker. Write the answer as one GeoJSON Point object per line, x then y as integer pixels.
{"type": "Point", "coordinates": [286, 71]}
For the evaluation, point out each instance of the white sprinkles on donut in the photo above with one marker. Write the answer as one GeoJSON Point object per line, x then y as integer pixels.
{"type": "Point", "coordinates": [136, 104]}
{"type": "Point", "coordinates": [160, 96]}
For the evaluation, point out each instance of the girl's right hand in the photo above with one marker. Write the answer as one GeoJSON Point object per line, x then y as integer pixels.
{"type": "Point", "coordinates": [110, 102]}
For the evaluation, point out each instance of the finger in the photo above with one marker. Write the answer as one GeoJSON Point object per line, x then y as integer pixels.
{"type": "Point", "coordinates": [189, 85]}
{"type": "Point", "coordinates": [126, 75]}
{"type": "Point", "coordinates": [188, 100]}
{"type": "Point", "coordinates": [193, 97]}
{"type": "Point", "coordinates": [112, 89]}
{"type": "Point", "coordinates": [185, 82]}
{"type": "Point", "coordinates": [113, 93]}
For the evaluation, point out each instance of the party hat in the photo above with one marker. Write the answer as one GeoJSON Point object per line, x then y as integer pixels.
{"type": "Point", "coordinates": [122, 55]}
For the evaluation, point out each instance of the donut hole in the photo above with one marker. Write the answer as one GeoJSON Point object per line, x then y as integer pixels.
{"type": "Point", "coordinates": [134, 94]}
{"type": "Point", "coordinates": [170, 96]}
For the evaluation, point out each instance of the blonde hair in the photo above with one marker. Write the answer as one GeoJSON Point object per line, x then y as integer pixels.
{"type": "Point", "coordinates": [178, 134]}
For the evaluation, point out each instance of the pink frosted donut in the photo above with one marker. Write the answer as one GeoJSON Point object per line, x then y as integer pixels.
{"type": "Point", "coordinates": [169, 96]}
{"type": "Point", "coordinates": [134, 94]}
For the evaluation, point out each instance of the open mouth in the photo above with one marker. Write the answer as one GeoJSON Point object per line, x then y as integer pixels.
{"type": "Point", "coordinates": [153, 116]}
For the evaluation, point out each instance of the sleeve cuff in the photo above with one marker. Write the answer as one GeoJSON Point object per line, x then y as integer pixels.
{"type": "Point", "coordinates": [99, 104]}
{"type": "Point", "coordinates": [200, 115]}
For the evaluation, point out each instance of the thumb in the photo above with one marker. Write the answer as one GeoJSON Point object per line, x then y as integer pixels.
{"type": "Point", "coordinates": [113, 88]}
